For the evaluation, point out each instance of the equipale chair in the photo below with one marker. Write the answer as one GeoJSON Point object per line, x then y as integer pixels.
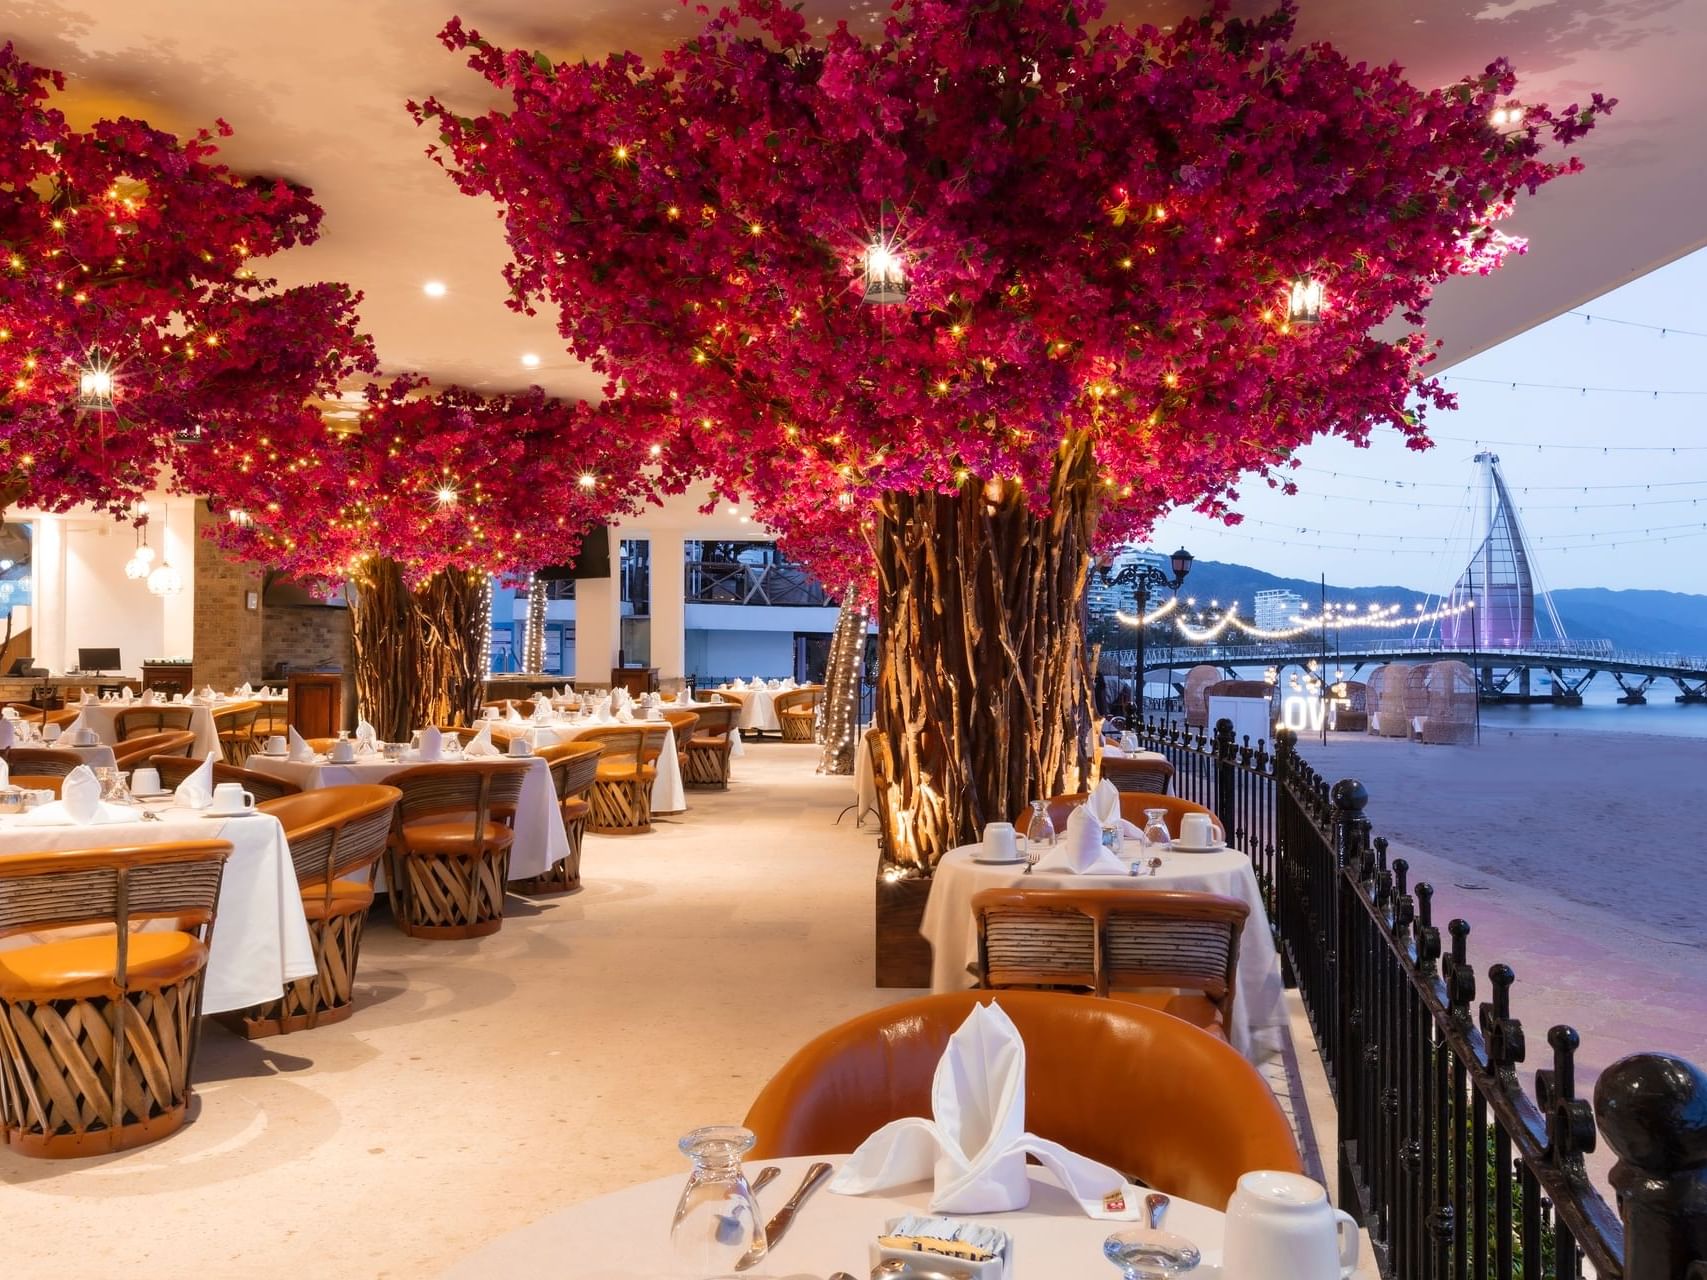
{"type": "Point", "coordinates": [1129, 774]}
{"type": "Point", "coordinates": [42, 762]}
{"type": "Point", "coordinates": [134, 722]}
{"type": "Point", "coordinates": [176, 742]}
{"type": "Point", "coordinates": [449, 856]}
{"type": "Point", "coordinates": [1166, 1104]}
{"type": "Point", "coordinates": [337, 836]}
{"type": "Point", "coordinates": [705, 756]}
{"type": "Point", "coordinates": [101, 1032]}
{"type": "Point", "coordinates": [235, 725]}
{"type": "Point", "coordinates": [1166, 949]}
{"type": "Point", "coordinates": [797, 711]}
{"type": "Point", "coordinates": [573, 766]}
{"type": "Point", "coordinates": [621, 794]}
{"type": "Point", "coordinates": [263, 786]}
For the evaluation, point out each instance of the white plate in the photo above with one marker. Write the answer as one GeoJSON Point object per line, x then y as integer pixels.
{"type": "Point", "coordinates": [999, 862]}
{"type": "Point", "coordinates": [152, 795]}
{"type": "Point", "coordinates": [235, 813]}
{"type": "Point", "coordinates": [274, 755]}
{"type": "Point", "coordinates": [1177, 847]}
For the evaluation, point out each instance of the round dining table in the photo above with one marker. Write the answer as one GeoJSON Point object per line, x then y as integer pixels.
{"type": "Point", "coordinates": [626, 1235]}
{"type": "Point", "coordinates": [1258, 1028]}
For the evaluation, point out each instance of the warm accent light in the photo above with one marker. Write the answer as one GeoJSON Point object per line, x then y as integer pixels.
{"type": "Point", "coordinates": [434, 288]}
{"type": "Point", "coordinates": [165, 580]}
{"type": "Point", "coordinates": [1304, 304]}
{"type": "Point", "coordinates": [95, 384]}
{"type": "Point", "coordinates": [588, 480]}
{"type": "Point", "coordinates": [885, 275]}
{"type": "Point", "coordinates": [446, 496]}
{"type": "Point", "coordinates": [530, 361]}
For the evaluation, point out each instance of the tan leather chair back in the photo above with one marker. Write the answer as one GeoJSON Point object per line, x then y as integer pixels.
{"type": "Point", "coordinates": [263, 786]}
{"type": "Point", "coordinates": [1149, 1094]}
{"type": "Point", "coordinates": [135, 751]}
{"type": "Point", "coordinates": [133, 722]}
{"type": "Point", "coordinates": [335, 833]}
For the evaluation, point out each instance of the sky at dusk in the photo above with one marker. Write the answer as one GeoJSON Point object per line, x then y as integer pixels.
{"type": "Point", "coordinates": [1616, 479]}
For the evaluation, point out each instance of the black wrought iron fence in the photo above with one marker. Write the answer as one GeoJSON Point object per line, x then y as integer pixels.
{"type": "Point", "coordinates": [1455, 1170]}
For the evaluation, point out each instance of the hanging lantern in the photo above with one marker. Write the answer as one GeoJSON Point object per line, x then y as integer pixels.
{"type": "Point", "coordinates": [142, 559]}
{"type": "Point", "coordinates": [165, 580]}
{"type": "Point", "coordinates": [95, 384]}
{"type": "Point", "coordinates": [239, 517]}
{"type": "Point", "coordinates": [1507, 118]}
{"type": "Point", "coordinates": [1304, 304]}
{"type": "Point", "coordinates": [885, 275]}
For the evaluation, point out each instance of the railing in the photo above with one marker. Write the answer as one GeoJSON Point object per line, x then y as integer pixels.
{"type": "Point", "coordinates": [1567, 652]}
{"type": "Point", "coordinates": [1456, 1173]}
{"type": "Point", "coordinates": [776, 583]}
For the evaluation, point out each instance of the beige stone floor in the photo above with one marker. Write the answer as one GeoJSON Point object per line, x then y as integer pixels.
{"type": "Point", "coordinates": [483, 1084]}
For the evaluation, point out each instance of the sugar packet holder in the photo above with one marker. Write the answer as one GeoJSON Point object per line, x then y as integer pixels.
{"type": "Point", "coordinates": [965, 1248]}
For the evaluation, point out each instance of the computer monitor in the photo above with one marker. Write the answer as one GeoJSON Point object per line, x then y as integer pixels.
{"type": "Point", "coordinates": [94, 661]}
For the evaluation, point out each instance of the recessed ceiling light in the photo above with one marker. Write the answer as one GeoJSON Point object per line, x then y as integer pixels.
{"type": "Point", "coordinates": [530, 361]}
{"type": "Point", "coordinates": [434, 288]}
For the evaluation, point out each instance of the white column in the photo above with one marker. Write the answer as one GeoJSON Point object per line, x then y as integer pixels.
{"type": "Point", "coordinates": [669, 606]}
{"type": "Point", "coordinates": [598, 613]}
{"type": "Point", "coordinates": [178, 548]}
{"type": "Point", "coordinates": [47, 591]}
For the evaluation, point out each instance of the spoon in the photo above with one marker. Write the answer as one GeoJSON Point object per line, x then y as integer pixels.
{"type": "Point", "coordinates": [1155, 865]}
{"type": "Point", "coordinates": [767, 1175]}
{"type": "Point", "coordinates": [1156, 1205]}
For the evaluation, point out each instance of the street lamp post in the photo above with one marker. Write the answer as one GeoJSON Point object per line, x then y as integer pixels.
{"type": "Point", "coordinates": [1142, 577]}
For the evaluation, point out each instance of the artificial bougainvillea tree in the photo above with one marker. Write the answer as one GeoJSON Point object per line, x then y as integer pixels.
{"type": "Point", "coordinates": [128, 257]}
{"type": "Point", "coordinates": [1099, 227]}
{"type": "Point", "coordinates": [414, 502]}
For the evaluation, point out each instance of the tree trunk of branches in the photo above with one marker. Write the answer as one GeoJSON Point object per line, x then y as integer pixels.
{"type": "Point", "coordinates": [838, 719]}
{"type": "Point", "coordinates": [417, 651]}
{"type": "Point", "coordinates": [983, 690]}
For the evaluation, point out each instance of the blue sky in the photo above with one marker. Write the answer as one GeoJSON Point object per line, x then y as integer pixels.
{"type": "Point", "coordinates": [1608, 504]}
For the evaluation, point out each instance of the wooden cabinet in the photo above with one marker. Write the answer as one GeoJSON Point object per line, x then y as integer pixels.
{"type": "Point", "coordinates": [169, 677]}
{"type": "Point", "coordinates": [316, 707]}
{"type": "Point", "coordinates": [637, 680]}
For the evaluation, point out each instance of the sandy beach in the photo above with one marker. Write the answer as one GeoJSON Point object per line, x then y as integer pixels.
{"type": "Point", "coordinates": [1580, 860]}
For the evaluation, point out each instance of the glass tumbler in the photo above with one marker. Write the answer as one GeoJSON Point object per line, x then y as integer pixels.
{"type": "Point", "coordinates": [717, 1222]}
{"type": "Point", "coordinates": [1156, 828]}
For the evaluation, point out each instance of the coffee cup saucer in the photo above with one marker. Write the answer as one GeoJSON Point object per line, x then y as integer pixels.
{"type": "Point", "coordinates": [230, 813]}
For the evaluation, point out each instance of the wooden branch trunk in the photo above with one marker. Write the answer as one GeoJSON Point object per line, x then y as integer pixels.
{"type": "Point", "coordinates": [417, 652]}
{"type": "Point", "coordinates": [983, 688]}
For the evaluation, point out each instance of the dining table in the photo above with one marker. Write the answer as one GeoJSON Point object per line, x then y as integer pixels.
{"type": "Point", "coordinates": [625, 1235]}
{"type": "Point", "coordinates": [96, 756]}
{"type": "Point", "coordinates": [261, 941]}
{"type": "Point", "coordinates": [1259, 1024]}
{"type": "Point", "coordinates": [540, 838]}
{"type": "Point", "coordinates": [102, 717]}
{"type": "Point", "coordinates": [668, 793]}
{"type": "Point", "coordinates": [758, 707]}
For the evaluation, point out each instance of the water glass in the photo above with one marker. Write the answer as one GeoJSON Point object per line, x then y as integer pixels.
{"type": "Point", "coordinates": [1146, 1254]}
{"type": "Point", "coordinates": [717, 1221]}
{"type": "Point", "coordinates": [1039, 832]}
{"type": "Point", "coordinates": [1156, 829]}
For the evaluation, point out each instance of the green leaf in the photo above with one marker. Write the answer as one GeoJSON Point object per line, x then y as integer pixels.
{"type": "Point", "coordinates": [543, 63]}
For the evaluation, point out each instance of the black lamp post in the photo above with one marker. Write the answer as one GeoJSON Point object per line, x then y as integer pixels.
{"type": "Point", "coordinates": [1143, 577]}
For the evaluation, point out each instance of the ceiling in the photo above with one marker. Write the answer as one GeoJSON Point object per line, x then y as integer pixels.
{"type": "Point", "coordinates": [315, 90]}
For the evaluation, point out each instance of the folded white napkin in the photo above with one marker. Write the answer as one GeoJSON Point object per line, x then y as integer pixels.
{"type": "Point", "coordinates": [511, 715]}
{"type": "Point", "coordinates": [1080, 850]}
{"type": "Point", "coordinates": [8, 713]}
{"type": "Point", "coordinates": [432, 744]}
{"type": "Point", "coordinates": [977, 1144]}
{"type": "Point", "coordinates": [1104, 804]}
{"type": "Point", "coordinates": [149, 697]}
{"type": "Point", "coordinates": [480, 745]}
{"type": "Point", "coordinates": [365, 732]}
{"type": "Point", "coordinates": [87, 700]}
{"type": "Point", "coordinates": [79, 805]}
{"type": "Point", "coordinates": [76, 727]}
{"type": "Point", "coordinates": [625, 716]}
{"type": "Point", "coordinates": [738, 683]}
{"type": "Point", "coordinates": [196, 791]}
{"type": "Point", "coordinates": [245, 690]}
{"type": "Point", "coordinates": [299, 750]}
{"type": "Point", "coordinates": [208, 695]}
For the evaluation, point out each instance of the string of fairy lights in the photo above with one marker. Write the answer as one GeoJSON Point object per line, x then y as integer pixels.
{"type": "Point", "coordinates": [1334, 617]}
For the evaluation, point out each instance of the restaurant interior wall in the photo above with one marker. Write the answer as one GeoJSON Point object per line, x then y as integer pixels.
{"type": "Point", "coordinates": [103, 608]}
{"type": "Point", "coordinates": [228, 646]}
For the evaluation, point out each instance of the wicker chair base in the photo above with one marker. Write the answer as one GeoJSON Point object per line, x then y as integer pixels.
{"type": "Point", "coordinates": [442, 897]}
{"type": "Point", "coordinates": [327, 997]}
{"type": "Point", "coordinates": [70, 1087]}
{"type": "Point", "coordinates": [620, 808]}
{"type": "Point", "coordinates": [796, 728]}
{"type": "Point", "coordinates": [705, 766]}
{"type": "Point", "coordinates": [563, 876]}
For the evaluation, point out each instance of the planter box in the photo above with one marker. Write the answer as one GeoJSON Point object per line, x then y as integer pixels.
{"type": "Point", "coordinates": [903, 957]}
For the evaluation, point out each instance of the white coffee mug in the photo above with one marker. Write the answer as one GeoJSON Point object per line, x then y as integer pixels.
{"type": "Point", "coordinates": [145, 781]}
{"type": "Point", "coordinates": [1196, 831]}
{"type": "Point", "coordinates": [1000, 842]}
{"type": "Point", "coordinates": [276, 745]}
{"type": "Point", "coordinates": [1280, 1226]}
{"type": "Point", "coordinates": [520, 747]}
{"type": "Point", "coordinates": [87, 737]}
{"type": "Point", "coordinates": [51, 732]}
{"type": "Point", "coordinates": [229, 797]}
{"type": "Point", "coordinates": [343, 751]}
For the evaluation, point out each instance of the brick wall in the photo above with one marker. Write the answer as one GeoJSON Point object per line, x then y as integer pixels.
{"type": "Point", "coordinates": [228, 644]}
{"type": "Point", "coordinates": [310, 637]}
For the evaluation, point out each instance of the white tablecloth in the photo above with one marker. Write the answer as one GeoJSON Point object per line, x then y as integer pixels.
{"type": "Point", "coordinates": [99, 716]}
{"type": "Point", "coordinates": [668, 793]}
{"type": "Point", "coordinates": [260, 935]}
{"type": "Point", "coordinates": [626, 1235]}
{"type": "Point", "coordinates": [758, 709]}
{"type": "Point", "coordinates": [96, 757]}
{"type": "Point", "coordinates": [540, 838]}
{"type": "Point", "coordinates": [1112, 751]}
{"type": "Point", "coordinates": [865, 785]}
{"type": "Point", "coordinates": [1259, 1011]}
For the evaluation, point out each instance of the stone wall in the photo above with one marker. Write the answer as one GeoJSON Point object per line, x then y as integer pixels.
{"type": "Point", "coordinates": [228, 646]}
{"type": "Point", "coordinates": [313, 637]}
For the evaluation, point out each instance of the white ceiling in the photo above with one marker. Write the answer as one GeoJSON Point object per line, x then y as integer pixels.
{"type": "Point", "coordinates": [315, 90]}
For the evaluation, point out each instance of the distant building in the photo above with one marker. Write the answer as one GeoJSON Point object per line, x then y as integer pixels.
{"type": "Point", "coordinates": [1274, 610]}
{"type": "Point", "coordinates": [1105, 601]}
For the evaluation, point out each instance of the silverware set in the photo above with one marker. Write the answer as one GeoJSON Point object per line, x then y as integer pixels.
{"type": "Point", "coordinates": [778, 1226]}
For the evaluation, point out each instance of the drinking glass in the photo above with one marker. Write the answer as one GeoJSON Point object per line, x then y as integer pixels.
{"type": "Point", "coordinates": [1144, 1254]}
{"type": "Point", "coordinates": [1156, 828]}
{"type": "Point", "coordinates": [717, 1219]}
{"type": "Point", "coordinates": [1039, 832]}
